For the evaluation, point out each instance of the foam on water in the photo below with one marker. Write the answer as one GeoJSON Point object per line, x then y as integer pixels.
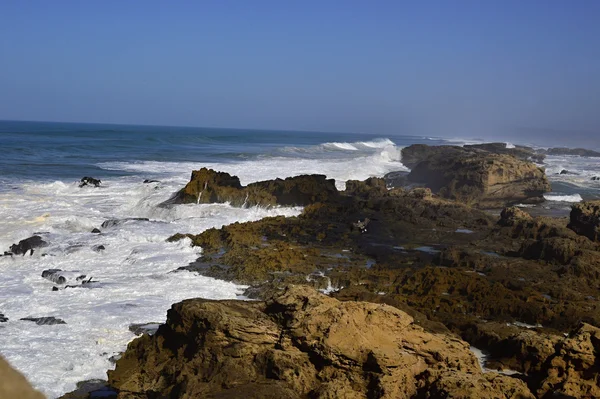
{"type": "Point", "coordinates": [563, 198]}
{"type": "Point", "coordinates": [134, 272]}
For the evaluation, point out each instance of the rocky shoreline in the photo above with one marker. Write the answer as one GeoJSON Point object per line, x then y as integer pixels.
{"type": "Point", "coordinates": [416, 268]}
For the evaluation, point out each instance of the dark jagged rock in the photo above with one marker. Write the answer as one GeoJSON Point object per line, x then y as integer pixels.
{"type": "Point", "coordinates": [28, 245]}
{"type": "Point", "coordinates": [44, 321]}
{"type": "Point", "coordinates": [481, 178]}
{"type": "Point", "coordinates": [150, 181]}
{"type": "Point", "coordinates": [3, 319]}
{"type": "Point", "coordinates": [417, 153]}
{"type": "Point", "coordinates": [209, 186]}
{"type": "Point", "coordinates": [582, 152]}
{"type": "Point", "coordinates": [595, 178]}
{"type": "Point", "coordinates": [98, 248]}
{"type": "Point", "coordinates": [585, 219]}
{"type": "Point", "coordinates": [14, 385]}
{"type": "Point", "coordinates": [89, 181]}
{"type": "Point", "coordinates": [567, 172]}
{"type": "Point", "coordinates": [116, 222]}
{"type": "Point", "coordinates": [96, 231]}
{"type": "Point", "coordinates": [300, 344]}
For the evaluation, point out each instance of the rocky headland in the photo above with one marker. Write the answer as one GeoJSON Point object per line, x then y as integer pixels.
{"type": "Point", "coordinates": [413, 273]}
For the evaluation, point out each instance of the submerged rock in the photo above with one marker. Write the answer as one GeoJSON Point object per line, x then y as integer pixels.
{"type": "Point", "coordinates": [301, 344]}
{"type": "Point", "coordinates": [59, 276]}
{"type": "Point", "coordinates": [28, 245]}
{"type": "Point", "coordinates": [43, 321]}
{"type": "Point", "coordinates": [208, 186]}
{"type": "Point", "coordinates": [91, 389]}
{"type": "Point", "coordinates": [117, 222]}
{"type": "Point", "coordinates": [14, 385]}
{"type": "Point", "coordinates": [3, 319]}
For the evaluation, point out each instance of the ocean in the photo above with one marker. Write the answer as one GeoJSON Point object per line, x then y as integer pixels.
{"type": "Point", "coordinates": [41, 164]}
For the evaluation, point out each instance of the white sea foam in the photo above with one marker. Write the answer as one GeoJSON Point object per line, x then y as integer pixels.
{"type": "Point", "coordinates": [510, 145]}
{"type": "Point", "coordinates": [563, 198]}
{"type": "Point", "coordinates": [341, 146]}
{"type": "Point", "coordinates": [134, 272]}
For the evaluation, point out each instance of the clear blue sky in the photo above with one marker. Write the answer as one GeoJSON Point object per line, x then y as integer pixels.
{"type": "Point", "coordinates": [440, 67]}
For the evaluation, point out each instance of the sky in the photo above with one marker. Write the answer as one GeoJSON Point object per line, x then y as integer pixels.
{"type": "Point", "coordinates": [452, 67]}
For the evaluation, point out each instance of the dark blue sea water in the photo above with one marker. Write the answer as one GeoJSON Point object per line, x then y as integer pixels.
{"type": "Point", "coordinates": [49, 150]}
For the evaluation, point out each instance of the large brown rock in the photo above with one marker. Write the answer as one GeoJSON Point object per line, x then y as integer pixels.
{"type": "Point", "coordinates": [209, 186]}
{"type": "Point", "coordinates": [574, 369]}
{"type": "Point", "coordinates": [14, 385]}
{"type": "Point", "coordinates": [481, 178]}
{"type": "Point", "coordinates": [301, 344]}
{"type": "Point", "coordinates": [585, 219]}
{"type": "Point", "coordinates": [518, 151]}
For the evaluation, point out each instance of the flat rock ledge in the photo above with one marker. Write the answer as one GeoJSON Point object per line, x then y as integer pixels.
{"type": "Point", "coordinates": [301, 344]}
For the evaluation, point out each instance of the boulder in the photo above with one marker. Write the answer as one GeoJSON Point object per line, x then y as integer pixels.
{"type": "Point", "coordinates": [585, 219]}
{"type": "Point", "coordinates": [89, 181]}
{"type": "Point", "coordinates": [513, 215]}
{"type": "Point", "coordinates": [14, 385]}
{"type": "Point", "coordinates": [3, 319]}
{"type": "Point", "coordinates": [209, 186]}
{"type": "Point", "coordinates": [481, 179]}
{"type": "Point", "coordinates": [298, 344]}
{"type": "Point", "coordinates": [28, 245]}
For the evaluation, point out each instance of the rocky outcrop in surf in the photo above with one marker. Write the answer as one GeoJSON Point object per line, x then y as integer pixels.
{"type": "Point", "coordinates": [28, 245]}
{"type": "Point", "coordinates": [297, 344]}
{"type": "Point", "coordinates": [476, 177]}
{"type": "Point", "coordinates": [14, 385]}
{"type": "Point", "coordinates": [209, 186]}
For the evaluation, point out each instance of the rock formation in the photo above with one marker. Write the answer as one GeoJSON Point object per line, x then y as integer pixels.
{"type": "Point", "coordinates": [14, 385]}
{"type": "Point", "coordinates": [28, 245]}
{"type": "Point", "coordinates": [209, 186]}
{"type": "Point", "coordinates": [585, 219]}
{"type": "Point", "coordinates": [481, 179]}
{"type": "Point", "coordinates": [301, 344]}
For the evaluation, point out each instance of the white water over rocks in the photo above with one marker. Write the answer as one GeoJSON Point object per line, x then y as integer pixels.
{"type": "Point", "coordinates": [133, 274]}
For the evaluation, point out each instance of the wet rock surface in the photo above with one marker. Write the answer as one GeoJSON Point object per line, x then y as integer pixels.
{"type": "Point", "coordinates": [3, 319]}
{"type": "Point", "coordinates": [14, 385]}
{"type": "Point", "coordinates": [89, 181]}
{"type": "Point", "coordinates": [28, 245]}
{"type": "Point", "coordinates": [299, 344]}
{"type": "Point", "coordinates": [44, 321]}
{"type": "Point", "coordinates": [572, 151]}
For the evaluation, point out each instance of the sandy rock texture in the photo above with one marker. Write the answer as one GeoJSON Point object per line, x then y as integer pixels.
{"type": "Point", "coordinates": [301, 344]}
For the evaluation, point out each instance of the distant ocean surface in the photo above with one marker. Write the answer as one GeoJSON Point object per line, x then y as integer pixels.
{"type": "Point", "coordinates": [40, 167]}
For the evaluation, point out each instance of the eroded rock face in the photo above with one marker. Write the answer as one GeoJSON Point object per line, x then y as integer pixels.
{"type": "Point", "coordinates": [481, 179]}
{"type": "Point", "coordinates": [209, 186]}
{"type": "Point", "coordinates": [518, 151]}
{"type": "Point", "coordinates": [574, 368]}
{"type": "Point", "coordinates": [14, 385]}
{"type": "Point", "coordinates": [301, 344]}
{"type": "Point", "coordinates": [585, 219]}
